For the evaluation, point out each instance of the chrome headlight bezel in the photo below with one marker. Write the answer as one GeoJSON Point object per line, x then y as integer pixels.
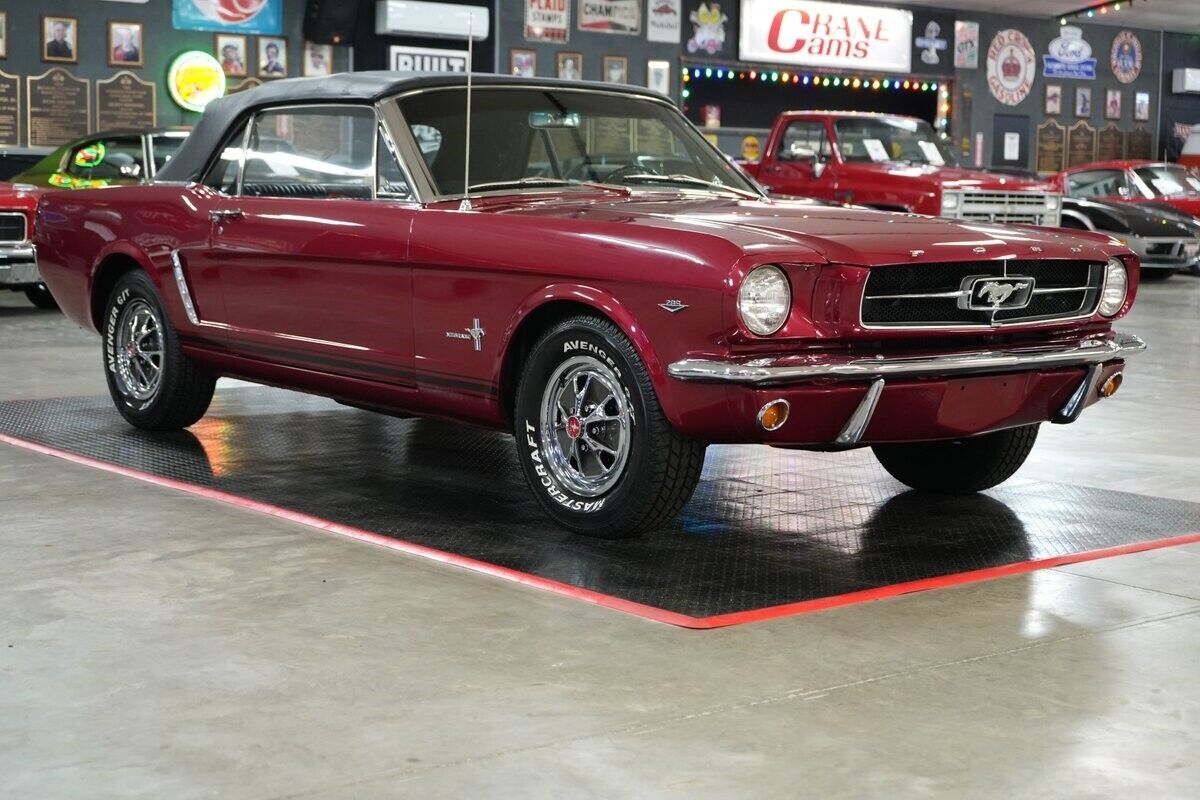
{"type": "Point", "coordinates": [1115, 290]}
{"type": "Point", "coordinates": [764, 300]}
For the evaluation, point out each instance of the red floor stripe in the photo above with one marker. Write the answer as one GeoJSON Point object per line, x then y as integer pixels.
{"type": "Point", "coordinates": [598, 598]}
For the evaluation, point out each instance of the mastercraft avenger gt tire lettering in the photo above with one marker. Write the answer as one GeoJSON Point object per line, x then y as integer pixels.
{"type": "Point", "coordinates": [597, 451]}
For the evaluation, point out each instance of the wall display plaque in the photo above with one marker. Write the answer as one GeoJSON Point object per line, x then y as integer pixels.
{"type": "Point", "coordinates": [249, 83]}
{"type": "Point", "coordinates": [1051, 146]}
{"type": "Point", "coordinates": [10, 110]}
{"type": "Point", "coordinates": [58, 106]}
{"type": "Point", "coordinates": [611, 135]}
{"type": "Point", "coordinates": [1139, 144]}
{"type": "Point", "coordinates": [126, 101]}
{"type": "Point", "coordinates": [1081, 144]}
{"type": "Point", "coordinates": [1110, 143]}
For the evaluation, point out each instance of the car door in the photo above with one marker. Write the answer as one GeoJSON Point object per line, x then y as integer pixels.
{"type": "Point", "coordinates": [312, 249]}
{"type": "Point", "coordinates": [800, 164]}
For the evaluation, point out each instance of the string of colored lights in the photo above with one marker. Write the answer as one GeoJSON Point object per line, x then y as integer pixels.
{"type": "Point", "coordinates": [818, 81]}
{"type": "Point", "coordinates": [1097, 10]}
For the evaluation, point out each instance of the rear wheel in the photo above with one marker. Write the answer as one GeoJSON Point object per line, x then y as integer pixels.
{"type": "Point", "coordinates": [152, 383]}
{"type": "Point", "coordinates": [596, 448]}
{"type": "Point", "coordinates": [40, 296]}
{"type": "Point", "coordinates": [959, 466]}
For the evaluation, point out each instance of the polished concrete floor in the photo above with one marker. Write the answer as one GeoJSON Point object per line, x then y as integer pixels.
{"type": "Point", "coordinates": [159, 645]}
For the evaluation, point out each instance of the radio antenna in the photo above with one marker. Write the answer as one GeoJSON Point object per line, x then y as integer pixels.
{"type": "Point", "coordinates": [465, 205]}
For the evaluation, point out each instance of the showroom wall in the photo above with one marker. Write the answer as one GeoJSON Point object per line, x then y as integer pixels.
{"type": "Point", "coordinates": [1179, 50]}
{"type": "Point", "coordinates": [162, 43]}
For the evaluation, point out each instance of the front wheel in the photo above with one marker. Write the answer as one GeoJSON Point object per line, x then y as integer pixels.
{"type": "Point", "coordinates": [959, 466]}
{"type": "Point", "coordinates": [596, 448]}
{"type": "Point", "coordinates": [153, 384]}
{"type": "Point", "coordinates": [40, 296]}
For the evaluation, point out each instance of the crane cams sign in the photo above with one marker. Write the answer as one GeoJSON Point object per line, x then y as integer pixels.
{"type": "Point", "coordinates": [819, 34]}
{"type": "Point", "coordinates": [1011, 66]}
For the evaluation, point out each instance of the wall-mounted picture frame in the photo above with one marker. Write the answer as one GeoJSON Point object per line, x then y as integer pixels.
{"type": "Point", "coordinates": [658, 76]}
{"type": "Point", "coordinates": [318, 60]}
{"type": "Point", "coordinates": [614, 69]}
{"type": "Point", "coordinates": [1053, 99]}
{"type": "Point", "coordinates": [272, 57]}
{"type": "Point", "coordinates": [569, 65]}
{"type": "Point", "coordinates": [3, 34]}
{"type": "Point", "coordinates": [60, 39]}
{"type": "Point", "coordinates": [1083, 102]}
{"type": "Point", "coordinates": [231, 49]}
{"type": "Point", "coordinates": [125, 44]}
{"type": "Point", "coordinates": [522, 62]}
{"type": "Point", "coordinates": [1112, 104]}
{"type": "Point", "coordinates": [1141, 106]}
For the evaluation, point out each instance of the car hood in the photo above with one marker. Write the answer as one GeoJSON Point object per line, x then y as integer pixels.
{"type": "Point", "coordinates": [951, 178]}
{"type": "Point", "coordinates": [781, 229]}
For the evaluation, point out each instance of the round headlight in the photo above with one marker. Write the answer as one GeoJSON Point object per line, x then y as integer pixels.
{"type": "Point", "coordinates": [764, 300]}
{"type": "Point", "coordinates": [1116, 288]}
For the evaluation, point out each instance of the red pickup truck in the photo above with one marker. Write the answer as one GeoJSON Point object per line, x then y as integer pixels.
{"type": "Point", "coordinates": [892, 163]}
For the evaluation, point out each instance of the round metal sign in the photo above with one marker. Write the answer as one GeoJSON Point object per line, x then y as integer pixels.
{"type": "Point", "coordinates": [1011, 66]}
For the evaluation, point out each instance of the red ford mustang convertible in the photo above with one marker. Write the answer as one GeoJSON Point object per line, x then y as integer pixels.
{"type": "Point", "coordinates": [595, 277]}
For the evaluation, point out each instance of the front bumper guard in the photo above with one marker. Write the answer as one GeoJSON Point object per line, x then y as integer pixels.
{"type": "Point", "coordinates": [1090, 352]}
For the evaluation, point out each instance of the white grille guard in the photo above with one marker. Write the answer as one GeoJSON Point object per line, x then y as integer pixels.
{"type": "Point", "coordinates": [799, 368]}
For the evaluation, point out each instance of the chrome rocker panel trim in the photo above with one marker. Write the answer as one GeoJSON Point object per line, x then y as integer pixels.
{"type": "Point", "coordinates": [760, 371]}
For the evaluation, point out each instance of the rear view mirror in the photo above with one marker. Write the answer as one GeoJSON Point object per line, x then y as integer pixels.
{"type": "Point", "coordinates": [551, 119]}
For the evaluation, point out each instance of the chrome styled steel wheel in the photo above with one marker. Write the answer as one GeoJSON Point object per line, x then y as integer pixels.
{"type": "Point", "coordinates": [585, 421]}
{"type": "Point", "coordinates": [139, 350]}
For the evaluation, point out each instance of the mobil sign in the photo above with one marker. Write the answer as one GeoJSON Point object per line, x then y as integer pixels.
{"type": "Point", "coordinates": [816, 34]}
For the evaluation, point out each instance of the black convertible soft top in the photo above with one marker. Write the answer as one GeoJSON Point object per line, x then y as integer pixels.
{"type": "Point", "coordinates": [347, 87]}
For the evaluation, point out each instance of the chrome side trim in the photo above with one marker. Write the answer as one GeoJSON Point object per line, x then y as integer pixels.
{"type": "Point", "coordinates": [798, 368]}
{"type": "Point", "coordinates": [184, 293]}
{"type": "Point", "coordinates": [1074, 405]}
{"type": "Point", "coordinates": [856, 426]}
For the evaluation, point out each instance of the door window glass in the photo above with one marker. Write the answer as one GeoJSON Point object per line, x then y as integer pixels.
{"type": "Point", "coordinates": [320, 152]}
{"type": "Point", "coordinates": [805, 136]}
{"type": "Point", "coordinates": [115, 159]}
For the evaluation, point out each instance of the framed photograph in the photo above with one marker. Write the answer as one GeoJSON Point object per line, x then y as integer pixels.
{"type": "Point", "coordinates": [60, 39]}
{"type": "Point", "coordinates": [1141, 106]}
{"type": "Point", "coordinates": [1112, 104]}
{"type": "Point", "coordinates": [570, 66]}
{"type": "Point", "coordinates": [522, 62]}
{"type": "Point", "coordinates": [658, 76]}
{"type": "Point", "coordinates": [1053, 99]}
{"type": "Point", "coordinates": [231, 52]}
{"type": "Point", "coordinates": [3, 34]}
{"type": "Point", "coordinates": [1083, 101]}
{"type": "Point", "coordinates": [125, 44]}
{"type": "Point", "coordinates": [272, 57]}
{"type": "Point", "coordinates": [615, 70]}
{"type": "Point", "coordinates": [318, 60]}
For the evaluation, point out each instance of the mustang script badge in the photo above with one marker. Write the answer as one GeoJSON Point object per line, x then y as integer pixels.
{"type": "Point", "coordinates": [474, 333]}
{"type": "Point", "coordinates": [998, 294]}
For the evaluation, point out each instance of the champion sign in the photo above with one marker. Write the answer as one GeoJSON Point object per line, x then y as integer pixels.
{"type": "Point", "coordinates": [822, 34]}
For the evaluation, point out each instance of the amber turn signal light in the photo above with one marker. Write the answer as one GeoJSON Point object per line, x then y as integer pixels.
{"type": "Point", "coordinates": [1110, 386]}
{"type": "Point", "coordinates": [772, 416]}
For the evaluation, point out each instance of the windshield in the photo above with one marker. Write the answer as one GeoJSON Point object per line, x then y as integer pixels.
{"type": "Point", "coordinates": [1166, 181]}
{"type": "Point", "coordinates": [891, 140]}
{"type": "Point", "coordinates": [534, 138]}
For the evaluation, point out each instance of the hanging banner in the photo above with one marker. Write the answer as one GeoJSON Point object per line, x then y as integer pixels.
{"type": "Point", "coordinates": [966, 45]}
{"type": "Point", "coordinates": [547, 20]}
{"type": "Point", "coordinates": [1011, 64]}
{"type": "Point", "coordinates": [228, 16]}
{"type": "Point", "coordinates": [663, 20]}
{"type": "Point", "coordinates": [1070, 56]}
{"type": "Point", "coordinates": [611, 16]}
{"type": "Point", "coordinates": [821, 34]}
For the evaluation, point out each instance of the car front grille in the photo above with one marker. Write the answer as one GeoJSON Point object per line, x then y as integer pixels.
{"type": "Point", "coordinates": [939, 295]}
{"type": "Point", "coordinates": [1023, 208]}
{"type": "Point", "coordinates": [12, 227]}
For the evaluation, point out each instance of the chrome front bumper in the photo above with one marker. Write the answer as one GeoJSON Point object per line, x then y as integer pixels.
{"type": "Point", "coordinates": [18, 265]}
{"type": "Point", "coordinates": [797, 368]}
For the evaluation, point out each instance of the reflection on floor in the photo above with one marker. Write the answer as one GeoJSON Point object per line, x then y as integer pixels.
{"type": "Point", "coordinates": [765, 528]}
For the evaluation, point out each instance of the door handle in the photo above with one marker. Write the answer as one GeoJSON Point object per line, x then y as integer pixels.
{"type": "Point", "coordinates": [225, 214]}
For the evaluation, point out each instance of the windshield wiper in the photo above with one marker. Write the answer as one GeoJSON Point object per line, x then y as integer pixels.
{"type": "Point", "coordinates": [530, 181]}
{"type": "Point", "coordinates": [690, 180]}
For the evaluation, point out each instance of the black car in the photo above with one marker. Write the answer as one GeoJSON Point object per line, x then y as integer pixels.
{"type": "Point", "coordinates": [1166, 240]}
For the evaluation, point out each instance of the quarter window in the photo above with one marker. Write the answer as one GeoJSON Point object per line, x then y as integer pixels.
{"type": "Point", "coordinates": [325, 152]}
